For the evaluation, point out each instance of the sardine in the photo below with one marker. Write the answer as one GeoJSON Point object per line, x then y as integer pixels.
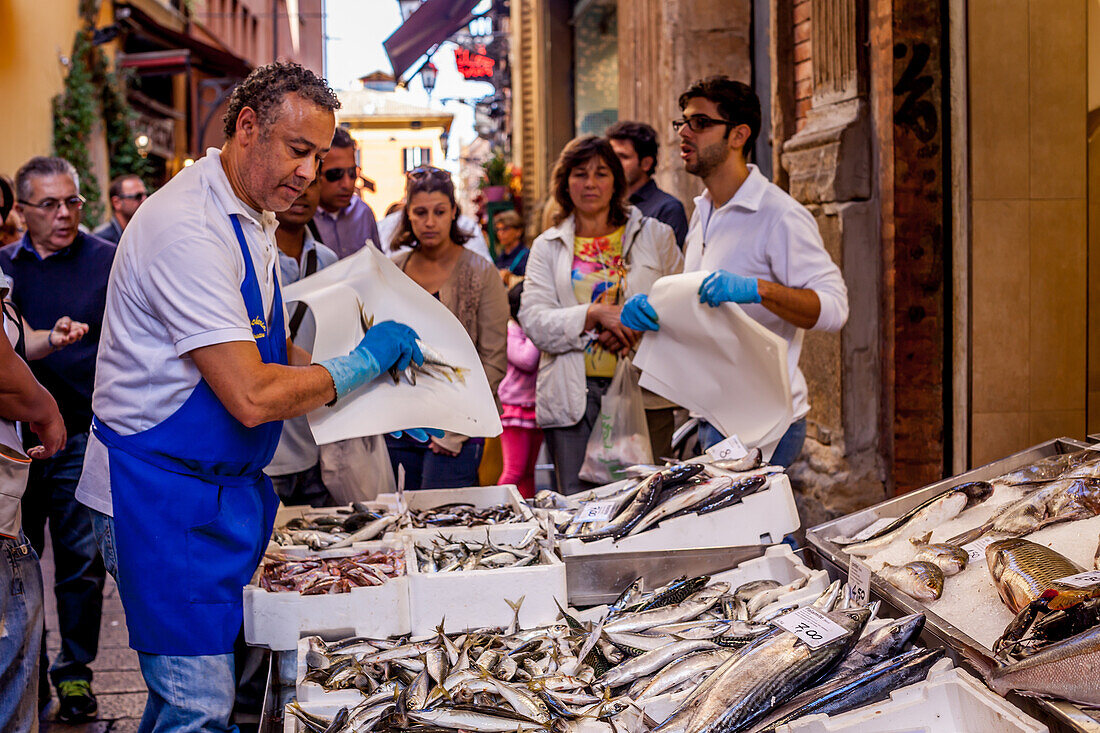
{"type": "Point", "coordinates": [1022, 570]}
{"type": "Point", "coordinates": [848, 692]}
{"type": "Point", "coordinates": [491, 721]}
{"type": "Point", "coordinates": [766, 597]}
{"type": "Point", "coordinates": [920, 580]}
{"type": "Point", "coordinates": [670, 593]}
{"type": "Point", "coordinates": [688, 668]}
{"type": "Point", "coordinates": [639, 506]}
{"type": "Point", "coordinates": [680, 501]}
{"type": "Point", "coordinates": [950, 559]}
{"type": "Point", "coordinates": [688, 609]}
{"type": "Point", "coordinates": [1047, 469]}
{"type": "Point", "coordinates": [651, 662]}
{"type": "Point", "coordinates": [745, 591]}
{"type": "Point", "coordinates": [760, 677]}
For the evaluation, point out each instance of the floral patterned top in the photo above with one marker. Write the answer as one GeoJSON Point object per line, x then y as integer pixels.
{"type": "Point", "coordinates": [598, 275]}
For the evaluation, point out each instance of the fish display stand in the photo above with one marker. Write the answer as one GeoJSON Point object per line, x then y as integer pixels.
{"type": "Point", "coordinates": [472, 599]}
{"type": "Point", "coordinates": [762, 518]}
{"type": "Point", "coordinates": [276, 620]}
{"type": "Point", "coordinates": [938, 632]}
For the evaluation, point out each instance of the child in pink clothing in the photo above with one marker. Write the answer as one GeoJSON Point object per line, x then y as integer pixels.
{"type": "Point", "coordinates": [521, 439]}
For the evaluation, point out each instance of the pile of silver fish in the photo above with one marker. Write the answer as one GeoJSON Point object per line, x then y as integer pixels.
{"type": "Point", "coordinates": [691, 639]}
{"type": "Point", "coordinates": [333, 530]}
{"type": "Point", "coordinates": [435, 364]}
{"type": "Point", "coordinates": [657, 494]}
{"type": "Point", "coordinates": [320, 575]}
{"type": "Point", "coordinates": [460, 514]}
{"type": "Point", "coordinates": [446, 555]}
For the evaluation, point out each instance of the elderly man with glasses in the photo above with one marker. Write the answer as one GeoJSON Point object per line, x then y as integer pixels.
{"type": "Point", "coordinates": [59, 271]}
{"type": "Point", "coordinates": [126, 194]}
{"type": "Point", "coordinates": [344, 222]}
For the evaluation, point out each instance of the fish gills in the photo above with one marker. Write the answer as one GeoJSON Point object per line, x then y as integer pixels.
{"type": "Point", "coordinates": [1022, 570]}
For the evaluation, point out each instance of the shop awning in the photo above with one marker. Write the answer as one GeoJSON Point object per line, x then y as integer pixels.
{"type": "Point", "coordinates": [431, 24]}
{"type": "Point", "coordinates": [180, 48]}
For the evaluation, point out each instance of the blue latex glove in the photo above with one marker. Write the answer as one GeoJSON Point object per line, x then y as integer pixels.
{"type": "Point", "coordinates": [639, 314]}
{"type": "Point", "coordinates": [420, 435]}
{"type": "Point", "coordinates": [385, 346]}
{"type": "Point", "coordinates": [725, 287]}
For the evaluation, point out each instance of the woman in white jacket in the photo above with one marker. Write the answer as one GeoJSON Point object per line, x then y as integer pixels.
{"type": "Point", "coordinates": [580, 271]}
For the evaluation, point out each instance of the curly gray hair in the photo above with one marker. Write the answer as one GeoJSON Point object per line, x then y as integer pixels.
{"type": "Point", "coordinates": [265, 88]}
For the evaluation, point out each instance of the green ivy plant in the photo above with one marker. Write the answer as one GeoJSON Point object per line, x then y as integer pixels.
{"type": "Point", "coordinates": [92, 92]}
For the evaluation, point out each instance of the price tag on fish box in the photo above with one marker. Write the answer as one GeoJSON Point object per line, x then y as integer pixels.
{"type": "Point", "coordinates": [811, 626]}
{"type": "Point", "coordinates": [976, 549]}
{"type": "Point", "coordinates": [1082, 580]}
{"type": "Point", "coordinates": [859, 582]}
{"type": "Point", "coordinates": [597, 511]}
{"type": "Point", "coordinates": [729, 449]}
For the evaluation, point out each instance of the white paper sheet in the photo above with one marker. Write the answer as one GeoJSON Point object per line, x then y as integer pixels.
{"type": "Point", "coordinates": [717, 362]}
{"type": "Point", "coordinates": [368, 277]}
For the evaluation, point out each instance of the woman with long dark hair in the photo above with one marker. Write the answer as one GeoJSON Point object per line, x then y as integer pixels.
{"type": "Point", "coordinates": [429, 250]}
{"type": "Point", "coordinates": [599, 252]}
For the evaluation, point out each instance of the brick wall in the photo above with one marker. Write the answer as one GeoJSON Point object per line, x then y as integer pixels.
{"type": "Point", "coordinates": [803, 62]}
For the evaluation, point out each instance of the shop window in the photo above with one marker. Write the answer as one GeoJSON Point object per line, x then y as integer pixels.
{"type": "Point", "coordinates": [416, 157]}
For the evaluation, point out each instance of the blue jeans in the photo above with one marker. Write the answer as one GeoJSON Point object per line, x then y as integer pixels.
{"type": "Point", "coordinates": [427, 470]}
{"type": "Point", "coordinates": [790, 445]}
{"type": "Point", "coordinates": [22, 618]}
{"type": "Point", "coordinates": [185, 693]}
{"type": "Point", "coordinates": [188, 693]}
{"type": "Point", "coordinates": [79, 573]}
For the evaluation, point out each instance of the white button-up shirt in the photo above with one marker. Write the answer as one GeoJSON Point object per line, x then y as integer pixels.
{"type": "Point", "coordinates": [175, 286]}
{"type": "Point", "coordinates": [764, 233]}
{"type": "Point", "coordinates": [297, 449]}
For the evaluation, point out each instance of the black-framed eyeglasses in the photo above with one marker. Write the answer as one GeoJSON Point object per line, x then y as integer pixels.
{"type": "Point", "coordinates": [698, 123]}
{"type": "Point", "coordinates": [139, 196]}
{"type": "Point", "coordinates": [428, 171]}
{"type": "Point", "coordinates": [51, 206]}
{"type": "Point", "coordinates": [332, 175]}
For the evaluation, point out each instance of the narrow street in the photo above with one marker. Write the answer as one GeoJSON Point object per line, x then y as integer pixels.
{"type": "Point", "coordinates": [117, 684]}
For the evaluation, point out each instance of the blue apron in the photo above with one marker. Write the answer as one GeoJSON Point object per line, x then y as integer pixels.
{"type": "Point", "coordinates": [193, 509]}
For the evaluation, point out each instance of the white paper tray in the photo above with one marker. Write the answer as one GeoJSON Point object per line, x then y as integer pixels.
{"type": "Point", "coordinates": [476, 598]}
{"type": "Point", "coordinates": [278, 620]}
{"type": "Point", "coordinates": [759, 519]}
{"type": "Point", "coordinates": [480, 497]}
{"type": "Point", "coordinates": [948, 700]}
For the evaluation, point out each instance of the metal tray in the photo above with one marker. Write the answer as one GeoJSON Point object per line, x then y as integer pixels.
{"type": "Point", "coordinates": [939, 632]}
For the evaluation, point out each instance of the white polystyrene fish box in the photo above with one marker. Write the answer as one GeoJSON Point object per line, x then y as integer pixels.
{"type": "Point", "coordinates": [481, 497]}
{"type": "Point", "coordinates": [277, 620]}
{"type": "Point", "coordinates": [474, 599]}
{"type": "Point", "coordinates": [949, 699]}
{"type": "Point", "coordinates": [314, 693]}
{"type": "Point", "coordinates": [759, 519]}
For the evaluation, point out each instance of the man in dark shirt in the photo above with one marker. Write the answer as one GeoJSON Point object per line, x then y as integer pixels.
{"type": "Point", "coordinates": [126, 194]}
{"type": "Point", "coordinates": [58, 271]}
{"type": "Point", "coordinates": [636, 145]}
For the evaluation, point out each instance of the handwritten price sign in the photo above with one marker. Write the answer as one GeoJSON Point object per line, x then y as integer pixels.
{"type": "Point", "coordinates": [859, 582]}
{"type": "Point", "coordinates": [811, 626]}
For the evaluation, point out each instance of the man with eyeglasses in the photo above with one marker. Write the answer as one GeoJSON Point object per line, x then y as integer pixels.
{"type": "Point", "coordinates": [343, 220]}
{"type": "Point", "coordinates": [761, 247]}
{"type": "Point", "coordinates": [59, 271]}
{"type": "Point", "coordinates": [126, 194]}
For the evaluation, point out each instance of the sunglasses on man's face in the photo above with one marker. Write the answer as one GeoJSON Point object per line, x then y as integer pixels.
{"type": "Point", "coordinates": [332, 175]}
{"type": "Point", "coordinates": [139, 196]}
{"type": "Point", "coordinates": [698, 123]}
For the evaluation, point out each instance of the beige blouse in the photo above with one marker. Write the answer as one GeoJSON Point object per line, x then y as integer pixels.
{"type": "Point", "coordinates": [476, 296]}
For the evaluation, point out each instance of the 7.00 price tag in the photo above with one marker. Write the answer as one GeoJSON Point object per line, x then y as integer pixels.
{"type": "Point", "coordinates": [859, 582]}
{"type": "Point", "coordinates": [811, 626]}
{"type": "Point", "coordinates": [597, 511]}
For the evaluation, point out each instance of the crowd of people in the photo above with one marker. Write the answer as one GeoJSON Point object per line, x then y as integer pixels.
{"type": "Point", "coordinates": [168, 383]}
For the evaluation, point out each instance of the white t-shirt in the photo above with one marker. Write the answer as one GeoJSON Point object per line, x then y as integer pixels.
{"type": "Point", "coordinates": [297, 449]}
{"type": "Point", "coordinates": [764, 233]}
{"type": "Point", "coordinates": [175, 286]}
{"type": "Point", "coordinates": [387, 229]}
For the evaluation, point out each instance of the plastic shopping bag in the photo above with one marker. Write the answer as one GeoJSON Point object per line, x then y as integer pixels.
{"type": "Point", "coordinates": [620, 437]}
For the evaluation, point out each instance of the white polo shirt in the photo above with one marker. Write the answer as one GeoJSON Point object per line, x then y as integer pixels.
{"type": "Point", "coordinates": [764, 233]}
{"type": "Point", "coordinates": [175, 286]}
{"type": "Point", "coordinates": [297, 449]}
